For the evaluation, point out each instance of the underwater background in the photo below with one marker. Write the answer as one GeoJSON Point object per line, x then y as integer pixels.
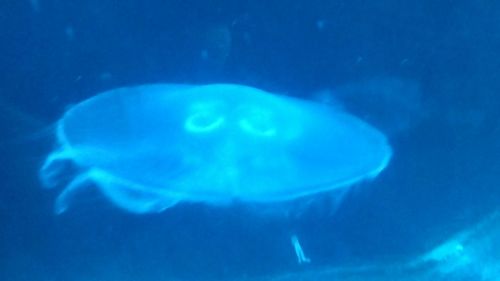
{"type": "Point", "coordinates": [425, 72]}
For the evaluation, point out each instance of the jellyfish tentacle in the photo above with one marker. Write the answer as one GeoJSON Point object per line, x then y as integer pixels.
{"type": "Point", "coordinates": [67, 195]}
{"type": "Point", "coordinates": [132, 197]}
{"type": "Point", "coordinates": [53, 167]}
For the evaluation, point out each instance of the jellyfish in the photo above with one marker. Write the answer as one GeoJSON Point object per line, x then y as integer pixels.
{"type": "Point", "coordinates": [150, 147]}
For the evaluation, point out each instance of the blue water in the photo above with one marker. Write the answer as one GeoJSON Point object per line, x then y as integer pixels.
{"type": "Point", "coordinates": [424, 72]}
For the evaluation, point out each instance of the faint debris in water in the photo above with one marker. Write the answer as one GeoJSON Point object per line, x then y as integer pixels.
{"type": "Point", "coordinates": [320, 24]}
{"type": "Point", "coordinates": [329, 97]}
{"type": "Point", "coordinates": [105, 76]}
{"type": "Point", "coordinates": [217, 44]}
{"type": "Point", "coordinates": [204, 54]}
{"type": "Point", "coordinates": [471, 254]}
{"type": "Point", "coordinates": [24, 125]}
{"type": "Point", "coordinates": [70, 33]}
{"type": "Point", "coordinates": [301, 257]}
{"type": "Point", "coordinates": [392, 104]}
{"type": "Point", "coordinates": [35, 5]}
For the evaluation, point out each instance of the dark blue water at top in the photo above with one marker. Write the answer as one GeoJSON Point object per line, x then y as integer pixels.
{"type": "Point", "coordinates": [444, 174]}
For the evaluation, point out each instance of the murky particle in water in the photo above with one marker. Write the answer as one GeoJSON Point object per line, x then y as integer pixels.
{"type": "Point", "coordinates": [70, 33]}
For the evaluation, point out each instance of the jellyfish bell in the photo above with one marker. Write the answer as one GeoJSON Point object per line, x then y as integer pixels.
{"type": "Point", "coordinates": [150, 147]}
